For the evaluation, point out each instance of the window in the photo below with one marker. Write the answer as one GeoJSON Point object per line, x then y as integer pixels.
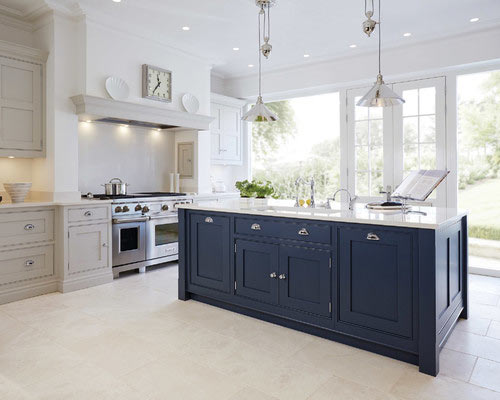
{"type": "Point", "coordinates": [385, 144]}
{"type": "Point", "coordinates": [304, 143]}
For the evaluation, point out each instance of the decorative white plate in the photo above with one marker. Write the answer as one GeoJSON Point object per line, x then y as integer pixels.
{"type": "Point", "coordinates": [190, 103]}
{"type": "Point", "coordinates": [117, 88]}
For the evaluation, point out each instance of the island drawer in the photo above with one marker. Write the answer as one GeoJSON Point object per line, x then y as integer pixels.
{"type": "Point", "coordinates": [303, 231]}
{"type": "Point", "coordinates": [88, 214]}
{"type": "Point", "coordinates": [25, 264]}
{"type": "Point", "coordinates": [26, 227]}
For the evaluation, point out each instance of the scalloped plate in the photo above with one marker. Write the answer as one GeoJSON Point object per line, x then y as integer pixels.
{"type": "Point", "coordinates": [190, 103]}
{"type": "Point", "coordinates": [117, 88]}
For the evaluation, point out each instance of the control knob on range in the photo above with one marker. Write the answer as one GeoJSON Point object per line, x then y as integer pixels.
{"type": "Point", "coordinates": [164, 207]}
{"type": "Point", "coordinates": [138, 207]}
{"type": "Point", "coordinates": [126, 209]}
{"type": "Point", "coordinates": [118, 209]}
{"type": "Point", "coordinates": [145, 209]}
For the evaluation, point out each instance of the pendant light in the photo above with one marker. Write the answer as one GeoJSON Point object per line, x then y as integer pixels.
{"type": "Point", "coordinates": [380, 95]}
{"type": "Point", "coordinates": [259, 112]}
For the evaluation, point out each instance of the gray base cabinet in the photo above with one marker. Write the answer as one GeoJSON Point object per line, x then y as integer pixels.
{"type": "Point", "coordinates": [391, 290]}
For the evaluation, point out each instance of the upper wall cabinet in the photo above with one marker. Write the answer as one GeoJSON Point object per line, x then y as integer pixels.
{"type": "Point", "coordinates": [226, 130]}
{"type": "Point", "coordinates": [21, 102]}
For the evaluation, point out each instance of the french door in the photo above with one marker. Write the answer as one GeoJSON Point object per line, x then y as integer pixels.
{"type": "Point", "coordinates": [385, 144]}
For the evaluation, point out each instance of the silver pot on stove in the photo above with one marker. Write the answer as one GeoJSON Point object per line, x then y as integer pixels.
{"type": "Point", "coordinates": [115, 187]}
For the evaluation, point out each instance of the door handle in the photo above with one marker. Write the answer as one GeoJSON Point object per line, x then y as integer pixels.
{"type": "Point", "coordinates": [273, 275]}
{"type": "Point", "coordinates": [255, 227]}
{"type": "Point", "coordinates": [282, 277]}
{"type": "Point", "coordinates": [104, 245]}
{"type": "Point", "coordinates": [209, 220]}
{"type": "Point", "coordinates": [372, 236]}
{"type": "Point", "coordinates": [303, 232]}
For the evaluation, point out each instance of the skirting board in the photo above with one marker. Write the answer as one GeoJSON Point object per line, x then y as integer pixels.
{"type": "Point", "coordinates": [85, 282]}
{"type": "Point", "coordinates": [24, 292]}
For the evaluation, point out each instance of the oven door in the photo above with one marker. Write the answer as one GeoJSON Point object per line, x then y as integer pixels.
{"type": "Point", "coordinates": [129, 241]}
{"type": "Point", "coordinates": [162, 237]}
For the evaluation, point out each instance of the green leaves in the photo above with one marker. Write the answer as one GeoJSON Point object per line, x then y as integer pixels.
{"type": "Point", "coordinates": [259, 189]}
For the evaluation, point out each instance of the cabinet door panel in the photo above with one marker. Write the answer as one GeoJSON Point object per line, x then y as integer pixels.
{"type": "Point", "coordinates": [88, 248]}
{"type": "Point", "coordinates": [257, 271]}
{"type": "Point", "coordinates": [231, 147]}
{"type": "Point", "coordinates": [210, 252]}
{"type": "Point", "coordinates": [20, 105]}
{"type": "Point", "coordinates": [375, 280]}
{"type": "Point", "coordinates": [305, 282]}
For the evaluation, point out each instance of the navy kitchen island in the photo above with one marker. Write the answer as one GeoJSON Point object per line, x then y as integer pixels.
{"type": "Point", "coordinates": [392, 284]}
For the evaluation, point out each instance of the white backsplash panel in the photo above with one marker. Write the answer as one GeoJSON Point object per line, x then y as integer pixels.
{"type": "Point", "coordinates": [141, 157]}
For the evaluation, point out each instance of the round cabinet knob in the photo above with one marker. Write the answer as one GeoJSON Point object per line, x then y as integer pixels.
{"type": "Point", "coordinates": [126, 209]}
{"type": "Point", "coordinates": [273, 275]}
{"type": "Point", "coordinates": [138, 207]}
{"type": "Point", "coordinates": [145, 209]}
{"type": "Point", "coordinates": [164, 207]}
{"type": "Point", "coordinates": [282, 277]}
{"type": "Point", "coordinates": [118, 209]}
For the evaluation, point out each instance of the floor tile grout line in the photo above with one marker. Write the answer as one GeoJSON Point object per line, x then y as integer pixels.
{"type": "Point", "coordinates": [472, 370]}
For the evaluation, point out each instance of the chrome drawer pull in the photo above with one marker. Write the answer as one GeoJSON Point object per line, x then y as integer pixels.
{"type": "Point", "coordinates": [303, 232]}
{"type": "Point", "coordinates": [29, 263]}
{"type": "Point", "coordinates": [88, 213]}
{"type": "Point", "coordinates": [273, 275]}
{"type": "Point", "coordinates": [255, 227]}
{"type": "Point", "coordinates": [372, 236]}
{"type": "Point", "coordinates": [209, 220]}
{"type": "Point", "coordinates": [29, 227]}
{"type": "Point", "coordinates": [282, 277]}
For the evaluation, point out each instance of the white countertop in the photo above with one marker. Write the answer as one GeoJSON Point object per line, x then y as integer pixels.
{"type": "Point", "coordinates": [435, 218]}
{"type": "Point", "coordinates": [29, 203]}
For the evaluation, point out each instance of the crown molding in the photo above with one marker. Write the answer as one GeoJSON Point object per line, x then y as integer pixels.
{"type": "Point", "coordinates": [14, 22]}
{"type": "Point", "coordinates": [25, 53]}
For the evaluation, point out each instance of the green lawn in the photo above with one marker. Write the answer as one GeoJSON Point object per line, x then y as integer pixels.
{"type": "Point", "coordinates": [483, 202]}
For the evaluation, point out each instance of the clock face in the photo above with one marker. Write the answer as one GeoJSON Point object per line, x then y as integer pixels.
{"type": "Point", "coordinates": [157, 83]}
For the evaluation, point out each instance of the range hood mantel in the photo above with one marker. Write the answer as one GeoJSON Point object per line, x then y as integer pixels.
{"type": "Point", "coordinates": [91, 108]}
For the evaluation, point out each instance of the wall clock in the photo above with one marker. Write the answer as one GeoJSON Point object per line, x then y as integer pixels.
{"type": "Point", "coordinates": [156, 83]}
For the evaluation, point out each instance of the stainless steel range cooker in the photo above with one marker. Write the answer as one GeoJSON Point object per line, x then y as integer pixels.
{"type": "Point", "coordinates": [145, 229]}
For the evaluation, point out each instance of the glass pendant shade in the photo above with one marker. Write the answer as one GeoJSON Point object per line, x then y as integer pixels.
{"type": "Point", "coordinates": [380, 96]}
{"type": "Point", "coordinates": [259, 113]}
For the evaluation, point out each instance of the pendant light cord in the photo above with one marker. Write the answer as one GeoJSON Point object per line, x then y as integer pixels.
{"type": "Point", "coordinates": [262, 12]}
{"type": "Point", "coordinates": [379, 40]}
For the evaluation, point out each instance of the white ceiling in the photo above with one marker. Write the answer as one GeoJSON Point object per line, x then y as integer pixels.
{"type": "Point", "coordinates": [322, 28]}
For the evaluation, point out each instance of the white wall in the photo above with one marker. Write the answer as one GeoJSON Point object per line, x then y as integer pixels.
{"type": "Point", "coordinates": [15, 31]}
{"type": "Point", "coordinates": [141, 157]}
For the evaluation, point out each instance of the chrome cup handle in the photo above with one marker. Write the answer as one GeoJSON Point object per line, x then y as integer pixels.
{"type": "Point", "coordinates": [88, 213]}
{"type": "Point", "coordinates": [209, 220]}
{"type": "Point", "coordinates": [29, 263]}
{"type": "Point", "coordinates": [255, 227]}
{"type": "Point", "coordinates": [372, 236]}
{"type": "Point", "coordinates": [303, 232]}
{"type": "Point", "coordinates": [29, 227]}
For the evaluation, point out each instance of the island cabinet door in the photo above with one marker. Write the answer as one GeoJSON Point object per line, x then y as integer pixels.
{"type": "Point", "coordinates": [304, 280]}
{"type": "Point", "coordinates": [257, 271]}
{"type": "Point", "coordinates": [210, 252]}
{"type": "Point", "coordinates": [375, 280]}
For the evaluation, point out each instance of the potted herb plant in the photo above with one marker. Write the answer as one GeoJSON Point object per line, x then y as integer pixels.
{"type": "Point", "coordinates": [263, 190]}
{"type": "Point", "coordinates": [247, 191]}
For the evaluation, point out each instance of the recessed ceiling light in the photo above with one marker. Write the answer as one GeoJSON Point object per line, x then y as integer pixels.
{"type": "Point", "coordinates": [475, 19]}
{"type": "Point", "coordinates": [186, 28]}
{"type": "Point", "coordinates": [117, 1]}
{"type": "Point", "coordinates": [407, 34]}
{"type": "Point", "coordinates": [251, 65]}
{"type": "Point", "coordinates": [307, 55]}
{"type": "Point", "coordinates": [12, 157]}
{"type": "Point", "coordinates": [236, 48]}
{"type": "Point", "coordinates": [353, 46]}
{"type": "Point", "coordinates": [88, 121]}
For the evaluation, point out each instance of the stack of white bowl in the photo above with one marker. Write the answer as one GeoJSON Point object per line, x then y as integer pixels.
{"type": "Point", "coordinates": [17, 191]}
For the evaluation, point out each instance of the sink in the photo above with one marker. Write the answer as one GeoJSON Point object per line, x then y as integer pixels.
{"type": "Point", "coordinates": [300, 210]}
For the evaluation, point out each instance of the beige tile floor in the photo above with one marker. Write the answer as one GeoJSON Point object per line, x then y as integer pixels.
{"type": "Point", "coordinates": [132, 339]}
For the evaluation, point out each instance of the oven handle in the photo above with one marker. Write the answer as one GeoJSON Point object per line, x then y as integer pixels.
{"type": "Point", "coordinates": [129, 221]}
{"type": "Point", "coordinates": [174, 217]}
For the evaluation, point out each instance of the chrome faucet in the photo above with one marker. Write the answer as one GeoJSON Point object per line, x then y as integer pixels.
{"type": "Point", "coordinates": [298, 181]}
{"type": "Point", "coordinates": [352, 199]}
